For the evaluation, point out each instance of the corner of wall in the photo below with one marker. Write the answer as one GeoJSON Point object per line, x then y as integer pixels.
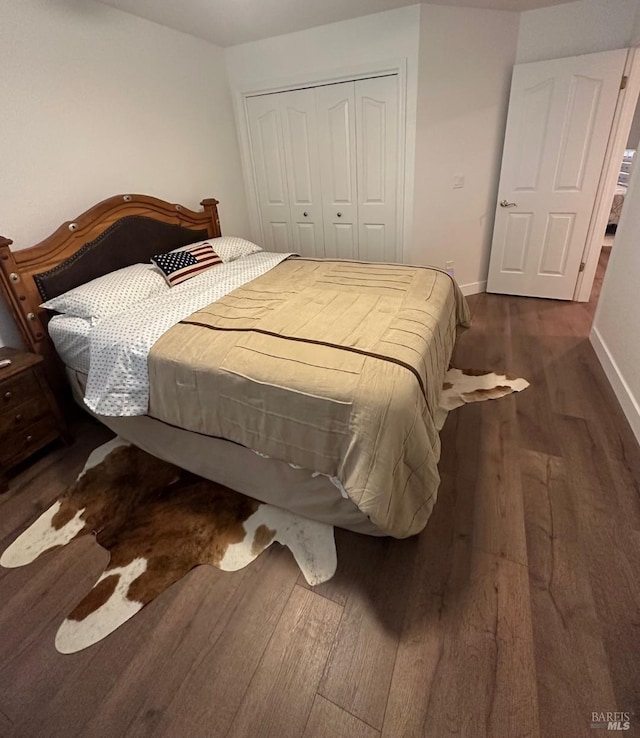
{"type": "Point", "coordinates": [635, 33]}
{"type": "Point", "coordinates": [147, 110]}
{"type": "Point", "coordinates": [614, 336]}
{"type": "Point", "coordinates": [628, 402]}
{"type": "Point", "coordinates": [466, 57]}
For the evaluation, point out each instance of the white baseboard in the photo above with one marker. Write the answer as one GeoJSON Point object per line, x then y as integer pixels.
{"type": "Point", "coordinates": [623, 392]}
{"type": "Point", "coordinates": [473, 288]}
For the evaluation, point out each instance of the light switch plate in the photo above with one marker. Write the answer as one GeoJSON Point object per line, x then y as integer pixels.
{"type": "Point", "coordinates": [458, 181]}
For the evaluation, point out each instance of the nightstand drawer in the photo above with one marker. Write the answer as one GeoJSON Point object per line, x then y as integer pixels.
{"type": "Point", "coordinates": [14, 392]}
{"type": "Point", "coordinates": [30, 417]}
{"type": "Point", "coordinates": [14, 419]}
{"type": "Point", "coordinates": [22, 442]}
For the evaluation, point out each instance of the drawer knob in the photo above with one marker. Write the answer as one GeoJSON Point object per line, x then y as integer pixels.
{"type": "Point", "coordinates": [29, 439]}
{"type": "Point", "coordinates": [18, 417]}
{"type": "Point", "coordinates": [8, 395]}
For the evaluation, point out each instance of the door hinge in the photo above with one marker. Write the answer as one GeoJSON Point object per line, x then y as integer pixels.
{"type": "Point", "coordinates": [582, 266]}
{"type": "Point", "coordinates": [623, 81]}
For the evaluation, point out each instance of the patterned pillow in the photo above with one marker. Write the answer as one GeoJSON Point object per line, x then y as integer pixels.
{"type": "Point", "coordinates": [228, 248]}
{"type": "Point", "coordinates": [178, 266]}
{"type": "Point", "coordinates": [111, 293]}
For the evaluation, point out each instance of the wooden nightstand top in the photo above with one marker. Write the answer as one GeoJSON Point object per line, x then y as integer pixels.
{"type": "Point", "coordinates": [21, 360]}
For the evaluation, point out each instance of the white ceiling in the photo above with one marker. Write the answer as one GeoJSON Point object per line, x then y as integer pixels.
{"type": "Point", "coordinates": [229, 22]}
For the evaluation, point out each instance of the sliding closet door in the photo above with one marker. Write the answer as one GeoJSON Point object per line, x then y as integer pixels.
{"type": "Point", "coordinates": [326, 169]}
{"type": "Point", "coordinates": [267, 146]}
{"type": "Point", "coordinates": [337, 136]}
{"type": "Point", "coordinates": [377, 166]}
{"type": "Point", "coordinates": [299, 127]}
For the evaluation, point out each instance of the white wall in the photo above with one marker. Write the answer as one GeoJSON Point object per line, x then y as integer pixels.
{"type": "Point", "coordinates": [96, 102]}
{"type": "Point", "coordinates": [466, 60]}
{"type": "Point", "coordinates": [582, 27]}
{"type": "Point", "coordinates": [635, 35]}
{"type": "Point", "coordinates": [616, 328]}
{"type": "Point", "coordinates": [325, 51]}
{"type": "Point", "coordinates": [381, 36]}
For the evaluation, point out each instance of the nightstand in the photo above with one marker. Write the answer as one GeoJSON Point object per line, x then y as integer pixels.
{"type": "Point", "coordinates": [29, 414]}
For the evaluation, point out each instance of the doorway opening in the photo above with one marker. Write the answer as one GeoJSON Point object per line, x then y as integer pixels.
{"type": "Point", "coordinates": [623, 153]}
{"type": "Point", "coordinates": [617, 205]}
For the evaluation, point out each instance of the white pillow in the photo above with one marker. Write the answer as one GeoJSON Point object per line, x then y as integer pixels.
{"type": "Point", "coordinates": [228, 248]}
{"type": "Point", "coordinates": [111, 293]}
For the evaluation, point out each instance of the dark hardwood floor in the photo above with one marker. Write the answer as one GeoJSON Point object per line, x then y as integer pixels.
{"type": "Point", "coordinates": [515, 613]}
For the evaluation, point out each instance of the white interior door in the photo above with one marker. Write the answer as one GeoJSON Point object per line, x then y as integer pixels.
{"type": "Point", "coordinates": [299, 127]}
{"type": "Point", "coordinates": [558, 126]}
{"type": "Point", "coordinates": [337, 136]}
{"type": "Point", "coordinates": [377, 166]}
{"type": "Point", "coordinates": [265, 126]}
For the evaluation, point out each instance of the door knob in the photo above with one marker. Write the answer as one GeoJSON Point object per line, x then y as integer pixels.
{"type": "Point", "coordinates": [339, 215]}
{"type": "Point", "coordinates": [306, 215]}
{"type": "Point", "coordinates": [505, 204]}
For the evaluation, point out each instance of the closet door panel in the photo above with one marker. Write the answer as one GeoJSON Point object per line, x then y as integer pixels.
{"type": "Point", "coordinates": [278, 237]}
{"type": "Point", "coordinates": [265, 128]}
{"type": "Point", "coordinates": [377, 162]}
{"type": "Point", "coordinates": [300, 134]}
{"type": "Point", "coordinates": [337, 138]}
{"type": "Point", "coordinates": [373, 241]}
{"type": "Point", "coordinates": [343, 240]}
{"type": "Point", "coordinates": [308, 239]}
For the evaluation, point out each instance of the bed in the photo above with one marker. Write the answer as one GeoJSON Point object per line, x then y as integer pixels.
{"type": "Point", "coordinates": [621, 188]}
{"type": "Point", "coordinates": [309, 384]}
{"type": "Point", "coordinates": [617, 204]}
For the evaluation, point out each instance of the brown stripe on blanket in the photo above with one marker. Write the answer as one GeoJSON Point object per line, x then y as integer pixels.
{"type": "Point", "coordinates": [315, 342]}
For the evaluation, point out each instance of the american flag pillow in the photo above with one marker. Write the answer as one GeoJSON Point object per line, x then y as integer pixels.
{"type": "Point", "coordinates": [178, 266]}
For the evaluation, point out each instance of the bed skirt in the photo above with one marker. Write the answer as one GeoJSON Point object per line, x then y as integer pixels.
{"type": "Point", "coordinates": [269, 480]}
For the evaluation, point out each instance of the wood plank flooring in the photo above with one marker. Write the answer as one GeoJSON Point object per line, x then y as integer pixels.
{"type": "Point", "coordinates": [515, 613]}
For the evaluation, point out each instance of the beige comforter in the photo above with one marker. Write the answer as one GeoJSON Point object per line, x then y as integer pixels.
{"type": "Point", "coordinates": [334, 366]}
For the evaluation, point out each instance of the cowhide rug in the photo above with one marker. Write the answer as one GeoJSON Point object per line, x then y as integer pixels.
{"type": "Point", "coordinates": [158, 522]}
{"type": "Point", "coordinates": [462, 386]}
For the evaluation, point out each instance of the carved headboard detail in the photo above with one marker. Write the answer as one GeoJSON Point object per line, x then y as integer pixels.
{"type": "Point", "coordinates": [115, 233]}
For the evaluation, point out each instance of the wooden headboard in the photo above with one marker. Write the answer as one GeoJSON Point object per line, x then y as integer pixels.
{"type": "Point", "coordinates": [115, 233]}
